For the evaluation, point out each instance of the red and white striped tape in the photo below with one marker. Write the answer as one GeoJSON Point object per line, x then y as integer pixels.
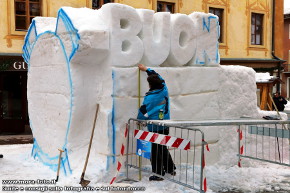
{"type": "Point", "coordinates": [242, 146]}
{"type": "Point", "coordinates": [203, 166]}
{"type": "Point", "coordinates": [120, 161]}
{"type": "Point", "coordinates": [161, 139]}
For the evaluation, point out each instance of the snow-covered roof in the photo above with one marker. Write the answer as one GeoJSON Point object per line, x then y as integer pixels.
{"type": "Point", "coordinates": [265, 78]}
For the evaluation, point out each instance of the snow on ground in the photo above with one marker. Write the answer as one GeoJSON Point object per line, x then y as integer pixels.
{"type": "Point", "coordinates": [17, 164]}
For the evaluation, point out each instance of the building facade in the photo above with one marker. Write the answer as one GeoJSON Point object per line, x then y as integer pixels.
{"type": "Point", "coordinates": [246, 38]}
{"type": "Point", "coordinates": [286, 73]}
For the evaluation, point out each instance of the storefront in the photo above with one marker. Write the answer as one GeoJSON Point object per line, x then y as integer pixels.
{"type": "Point", "coordinates": [13, 97]}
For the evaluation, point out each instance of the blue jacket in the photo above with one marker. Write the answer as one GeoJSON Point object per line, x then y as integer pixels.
{"type": "Point", "coordinates": [155, 105]}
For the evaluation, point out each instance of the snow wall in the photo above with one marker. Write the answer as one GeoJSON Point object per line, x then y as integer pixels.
{"type": "Point", "coordinates": [84, 57]}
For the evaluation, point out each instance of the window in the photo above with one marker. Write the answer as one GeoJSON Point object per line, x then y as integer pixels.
{"type": "Point", "coordinates": [220, 13]}
{"type": "Point", "coordinates": [97, 4]}
{"type": "Point", "coordinates": [25, 11]}
{"type": "Point", "coordinates": [165, 7]}
{"type": "Point", "coordinates": [257, 29]}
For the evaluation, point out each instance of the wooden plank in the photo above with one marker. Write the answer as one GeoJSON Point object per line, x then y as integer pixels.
{"type": "Point", "coordinates": [270, 87]}
{"type": "Point", "coordinates": [264, 98]}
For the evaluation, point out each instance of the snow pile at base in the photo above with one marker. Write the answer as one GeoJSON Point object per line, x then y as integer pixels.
{"type": "Point", "coordinates": [89, 57]}
{"type": "Point", "coordinates": [18, 165]}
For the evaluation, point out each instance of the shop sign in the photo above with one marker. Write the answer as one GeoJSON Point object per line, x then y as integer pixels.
{"type": "Point", "coordinates": [20, 66]}
{"type": "Point", "coordinates": [11, 64]}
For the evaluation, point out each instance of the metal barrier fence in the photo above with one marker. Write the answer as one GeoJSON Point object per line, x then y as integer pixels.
{"type": "Point", "coordinates": [186, 147]}
{"type": "Point", "coordinates": [263, 140]}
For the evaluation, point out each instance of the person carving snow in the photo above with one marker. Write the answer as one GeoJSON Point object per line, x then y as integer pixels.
{"type": "Point", "coordinates": [156, 107]}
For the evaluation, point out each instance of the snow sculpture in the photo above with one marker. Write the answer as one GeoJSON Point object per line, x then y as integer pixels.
{"type": "Point", "coordinates": [84, 57]}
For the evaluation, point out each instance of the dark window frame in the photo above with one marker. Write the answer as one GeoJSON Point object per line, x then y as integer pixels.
{"type": "Point", "coordinates": [97, 4]}
{"type": "Point", "coordinates": [28, 13]}
{"type": "Point", "coordinates": [164, 6]}
{"type": "Point", "coordinates": [257, 30]}
{"type": "Point", "coordinates": [215, 11]}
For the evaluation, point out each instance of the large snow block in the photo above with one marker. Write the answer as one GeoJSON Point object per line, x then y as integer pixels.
{"type": "Point", "coordinates": [237, 94]}
{"type": "Point", "coordinates": [62, 104]}
{"type": "Point", "coordinates": [184, 107]}
{"type": "Point", "coordinates": [49, 96]}
{"type": "Point", "coordinates": [179, 81]}
{"type": "Point", "coordinates": [89, 57]}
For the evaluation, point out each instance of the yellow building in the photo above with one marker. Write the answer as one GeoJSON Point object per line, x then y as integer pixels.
{"type": "Point", "coordinates": [246, 39]}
